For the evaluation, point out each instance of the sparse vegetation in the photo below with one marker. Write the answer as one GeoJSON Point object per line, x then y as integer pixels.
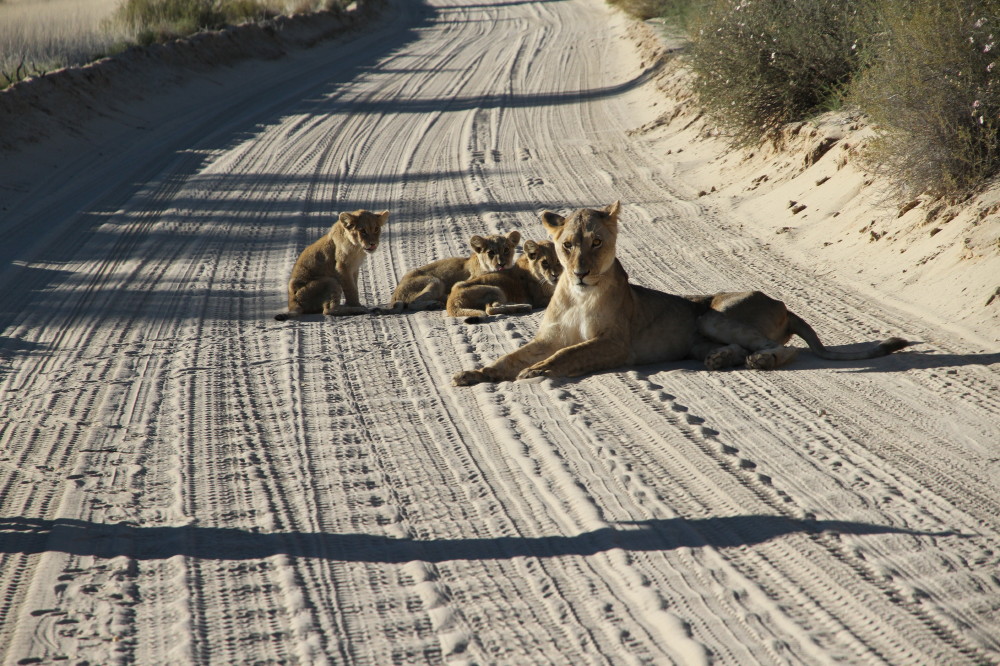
{"type": "Point", "coordinates": [923, 71]}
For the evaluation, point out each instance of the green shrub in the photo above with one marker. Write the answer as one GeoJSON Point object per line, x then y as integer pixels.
{"type": "Point", "coordinates": [931, 89]}
{"type": "Point", "coordinates": [762, 63]}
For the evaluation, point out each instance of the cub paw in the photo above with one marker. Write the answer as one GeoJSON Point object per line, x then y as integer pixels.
{"type": "Point", "coordinates": [469, 378]}
{"type": "Point", "coordinates": [762, 361]}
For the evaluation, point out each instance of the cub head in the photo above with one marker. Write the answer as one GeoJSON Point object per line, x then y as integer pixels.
{"type": "Point", "coordinates": [364, 228]}
{"type": "Point", "coordinates": [584, 242]}
{"type": "Point", "coordinates": [495, 253]}
{"type": "Point", "coordinates": [542, 261]}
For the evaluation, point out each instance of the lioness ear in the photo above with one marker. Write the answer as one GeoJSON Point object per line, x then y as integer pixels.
{"type": "Point", "coordinates": [383, 217]}
{"type": "Point", "coordinates": [347, 220]}
{"type": "Point", "coordinates": [478, 243]}
{"type": "Point", "coordinates": [514, 237]}
{"type": "Point", "coordinates": [531, 249]}
{"type": "Point", "coordinates": [553, 222]}
{"type": "Point", "coordinates": [612, 210]}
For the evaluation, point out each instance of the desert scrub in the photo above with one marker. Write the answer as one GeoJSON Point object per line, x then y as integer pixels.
{"type": "Point", "coordinates": [762, 63]}
{"type": "Point", "coordinates": [930, 87]}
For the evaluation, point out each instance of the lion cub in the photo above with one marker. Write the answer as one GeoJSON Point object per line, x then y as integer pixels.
{"type": "Point", "coordinates": [527, 285]}
{"type": "Point", "coordinates": [598, 320]}
{"type": "Point", "coordinates": [427, 287]}
{"type": "Point", "coordinates": [328, 269]}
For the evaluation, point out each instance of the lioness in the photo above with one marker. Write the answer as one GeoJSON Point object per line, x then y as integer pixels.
{"type": "Point", "coordinates": [527, 285]}
{"type": "Point", "coordinates": [427, 287]}
{"type": "Point", "coordinates": [597, 320]}
{"type": "Point", "coordinates": [328, 269]}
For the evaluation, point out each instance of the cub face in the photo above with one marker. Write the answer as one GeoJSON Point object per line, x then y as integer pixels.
{"type": "Point", "coordinates": [495, 253]}
{"type": "Point", "coordinates": [584, 242]}
{"type": "Point", "coordinates": [543, 263]}
{"type": "Point", "coordinates": [364, 228]}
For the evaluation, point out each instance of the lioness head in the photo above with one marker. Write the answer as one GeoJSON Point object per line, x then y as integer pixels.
{"type": "Point", "coordinates": [584, 242]}
{"type": "Point", "coordinates": [364, 228]}
{"type": "Point", "coordinates": [495, 253]}
{"type": "Point", "coordinates": [543, 263]}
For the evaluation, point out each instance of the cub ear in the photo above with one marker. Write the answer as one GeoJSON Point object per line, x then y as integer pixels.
{"type": "Point", "coordinates": [531, 249]}
{"type": "Point", "coordinates": [383, 217]}
{"type": "Point", "coordinates": [612, 210]}
{"type": "Point", "coordinates": [348, 220]}
{"type": "Point", "coordinates": [478, 243]}
{"type": "Point", "coordinates": [514, 237]}
{"type": "Point", "coordinates": [553, 222]}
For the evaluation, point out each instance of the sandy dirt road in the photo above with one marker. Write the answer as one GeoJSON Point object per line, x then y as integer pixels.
{"type": "Point", "coordinates": [185, 480]}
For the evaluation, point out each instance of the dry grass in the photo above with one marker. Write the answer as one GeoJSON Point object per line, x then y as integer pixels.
{"type": "Point", "coordinates": [41, 35]}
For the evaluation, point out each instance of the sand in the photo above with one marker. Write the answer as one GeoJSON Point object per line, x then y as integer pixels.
{"type": "Point", "coordinates": [185, 480]}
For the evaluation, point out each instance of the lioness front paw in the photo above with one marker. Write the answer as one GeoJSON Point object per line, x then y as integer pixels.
{"type": "Point", "coordinates": [534, 371]}
{"type": "Point", "coordinates": [469, 378]}
{"type": "Point", "coordinates": [762, 361]}
{"type": "Point", "coordinates": [717, 361]}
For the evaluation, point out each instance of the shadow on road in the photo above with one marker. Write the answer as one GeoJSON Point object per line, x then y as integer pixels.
{"type": "Point", "coordinates": [80, 537]}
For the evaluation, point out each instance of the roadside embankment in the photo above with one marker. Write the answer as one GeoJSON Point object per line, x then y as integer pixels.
{"type": "Point", "coordinates": [810, 195]}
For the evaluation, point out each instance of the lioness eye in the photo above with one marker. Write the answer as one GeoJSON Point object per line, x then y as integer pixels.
{"type": "Point", "coordinates": [545, 264]}
{"type": "Point", "coordinates": [597, 242]}
{"type": "Point", "coordinates": [567, 245]}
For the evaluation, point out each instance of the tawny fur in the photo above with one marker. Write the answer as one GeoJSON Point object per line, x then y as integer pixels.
{"type": "Point", "coordinates": [527, 285]}
{"type": "Point", "coordinates": [597, 320]}
{"type": "Point", "coordinates": [327, 270]}
{"type": "Point", "coordinates": [427, 287]}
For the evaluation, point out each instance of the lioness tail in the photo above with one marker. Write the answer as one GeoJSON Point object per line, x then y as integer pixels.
{"type": "Point", "coordinates": [799, 327]}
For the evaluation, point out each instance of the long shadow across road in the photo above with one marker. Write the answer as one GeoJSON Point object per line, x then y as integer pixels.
{"type": "Point", "coordinates": [80, 537]}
